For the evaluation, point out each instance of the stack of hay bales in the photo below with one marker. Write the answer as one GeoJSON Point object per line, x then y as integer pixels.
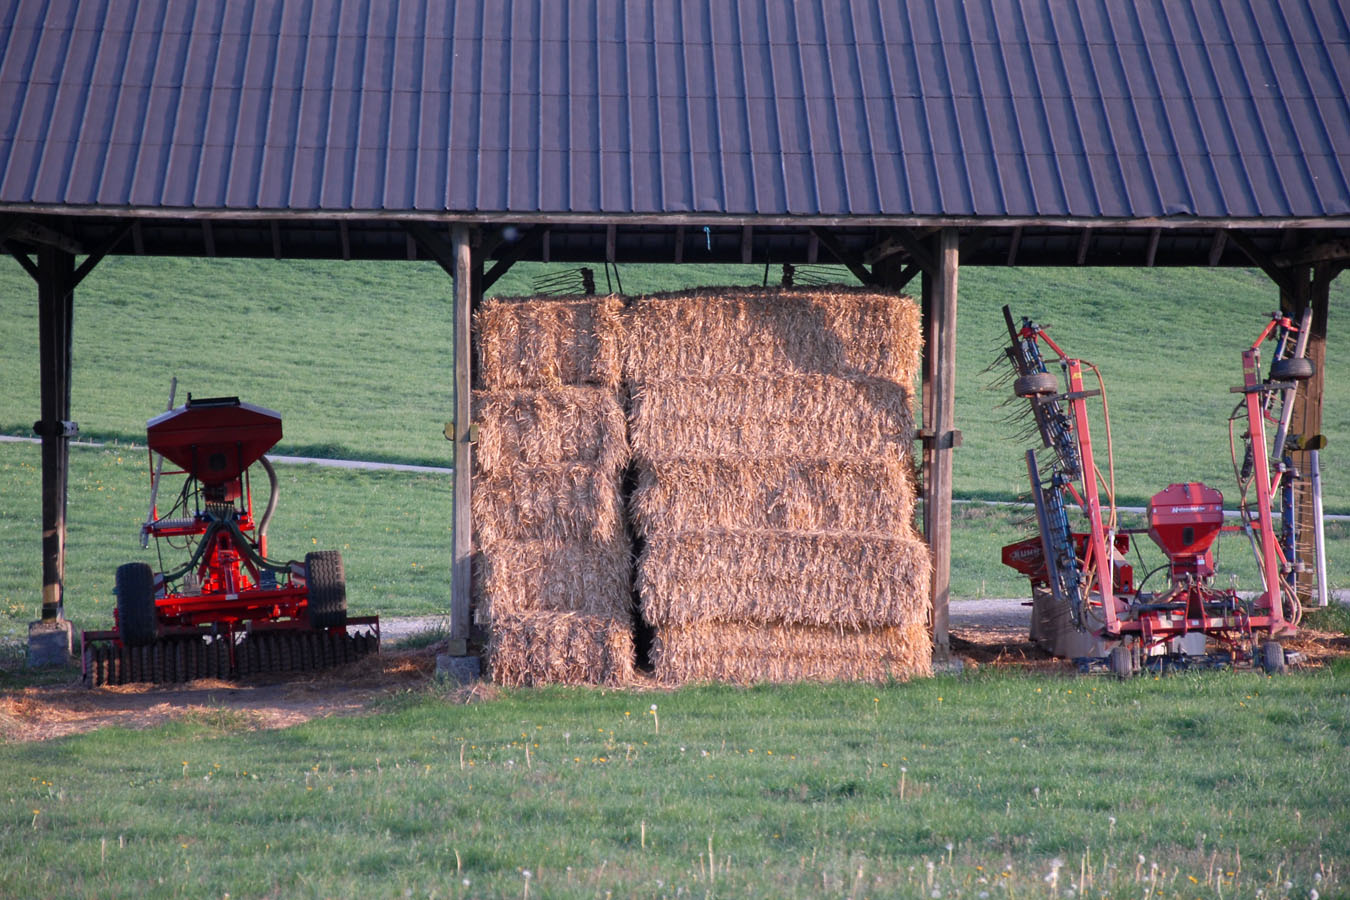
{"type": "Point", "coordinates": [553, 560]}
{"type": "Point", "coordinates": [772, 433]}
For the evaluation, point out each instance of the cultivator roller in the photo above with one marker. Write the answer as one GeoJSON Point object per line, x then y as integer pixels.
{"type": "Point", "coordinates": [173, 660]}
{"type": "Point", "coordinates": [229, 611]}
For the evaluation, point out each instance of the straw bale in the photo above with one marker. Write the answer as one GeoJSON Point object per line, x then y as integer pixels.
{"type": "Point", "coordinates": [791, 415]}
{"type": "Point", "coordinates": [558, 502]}
{"type": "Point", "coordinates": [560, 648]}
{"type": "Point", "coordinates": [530, 342]}
{"type": "Point", "coordinates": [862, 495]}
{"type": "Point", "coordinates": [549, 425]}
{"type": "Point", "coordinates": [784, 578]}
{"type": "Point", "coordinates": [569, 576]}
{"type": "Point", "coordinates": [755, 331]}
{"type": "Point", "coordinates": [759, 653]}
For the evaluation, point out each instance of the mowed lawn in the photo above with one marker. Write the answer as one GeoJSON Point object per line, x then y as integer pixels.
{"type": "Point", "coordinates": [988, 785]}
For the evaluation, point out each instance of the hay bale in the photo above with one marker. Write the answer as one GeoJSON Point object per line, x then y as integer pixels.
{"type": "Point", "coordinates": [759, 653]}
{"type": "Point", "coordinates": [570, 576]}
{"type": "Point", "coordinates": [756, 331]}
{"type": "Point", "coordinates": [862, 495]}
{"type": "Point", "coordinates": [554, 503]}
{"type": "Point", "coordinates": [559, 648]}
{"type": "Point", "coordinates": [549, 425]}
{"type": "Point", "coordinates": [528, 342]}
{"type": "Point", "coordinates": [783, 578]}
{"type": "Point", "coordinates": [740, 416]}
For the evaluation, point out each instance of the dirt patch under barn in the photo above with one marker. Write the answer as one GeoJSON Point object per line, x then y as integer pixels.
{"type": "Point", "coordinates": [990, 635]}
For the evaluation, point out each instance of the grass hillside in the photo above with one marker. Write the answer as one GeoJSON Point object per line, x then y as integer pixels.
{"type": "Point", "coordinates": [357, 357]}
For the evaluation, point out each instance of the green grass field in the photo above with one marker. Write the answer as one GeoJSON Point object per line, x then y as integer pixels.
{"type": "Point", "coordinates": [1223, 785]}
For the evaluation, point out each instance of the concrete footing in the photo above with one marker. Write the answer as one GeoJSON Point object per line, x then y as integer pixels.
{"type": "Point", "coordinates": [460, 669]}
{"type": "Point", "coordinates": [49, 642]}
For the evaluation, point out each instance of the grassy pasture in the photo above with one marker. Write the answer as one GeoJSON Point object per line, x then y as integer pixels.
{"type": "Point", "coordinates": [984, 786]}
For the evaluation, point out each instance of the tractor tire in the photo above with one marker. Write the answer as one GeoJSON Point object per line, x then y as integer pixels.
{"type": "Point", "coordinates": [1299, 369]}
{"type": "Point", "coordinates": [1272, 658]}
{"type": "Point", "coordinates": [327, 589]}
{"type": "Point", "coordinates": [1037, 384]}
{"type": "Point", "coordinates": [1122, 663]}
{"type": "Point", "coordinates": [136, 618]}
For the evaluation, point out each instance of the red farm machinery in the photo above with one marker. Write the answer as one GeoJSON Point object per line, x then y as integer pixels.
{"type": "Point", "coordinates": [1086, 603]}
{"type": "Point", "coordinates": [227, 609]}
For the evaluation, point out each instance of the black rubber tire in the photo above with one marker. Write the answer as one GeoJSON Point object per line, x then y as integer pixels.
{"type": "Point", "coordinates": [1272, 658]}
{"type": "Point", "coordinates": [136, 618]}
{"type": "Point", "coordinates": [1037, 384]}
{"type": "Point", "coordinates": [1122, 665]}
{"type": "Point", "coordinates": [327, 584]}
{"type": "Point", "coordinates": [1300, 369]}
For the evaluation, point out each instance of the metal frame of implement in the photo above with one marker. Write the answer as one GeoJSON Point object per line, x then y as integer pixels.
{"type": "Point", "coordinates": [1183, 520]}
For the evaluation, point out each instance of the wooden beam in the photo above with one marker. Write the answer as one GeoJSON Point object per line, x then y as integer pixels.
{"type": "Point", "coordinates": [1216, 246]}
{"type": "Point", "coordinates": [512, 255]}
{"type": "Point", "coordinates": [1014, 245]}
{"type": "Point", "coordinates": [56, 269]}
{"type": "Point", "coordinates": [679, 243]}
{"type": "Point", "coordinates": [345, 239]}
{"type": "Point", "coordinates": [910, 242]}
{"type": "Point", "coordinates": [854, 265]}
{"type": "Point", "coordinates": [28, 265]}
{"type": "Point", "coordinates": [1325, 252]}
{"type": "Point", "coordinates": [438, 248]}
{"type": "Point", "coordinates": [31, 232]}
{"type": "Point", "coordinates": [461, 594]}
{"type": "Point", "coordinates": [747, 244]}
{"type": "Point", "coordinates": [1084, 241]}
{"type": "Point", "coordinates": [93, 259]}
{"type": "Point", "coordinates": [1276, 273]}
{"type": "Point", "coordinates": [1152, 254]}
{"type": "Point", "coordinates": [940, 376]}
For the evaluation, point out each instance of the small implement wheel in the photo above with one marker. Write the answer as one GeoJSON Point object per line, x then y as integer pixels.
{"type": "Point", "coordinates": [1122, 665]}
{"type": "Point", "coordinates": [135, 586]}
{"type": "Point", "coordinates": [327, 589]}
{"type": "Point", "coordinates": [1272, 658]}
{"type": "Point", "coordinates": [1300, 369]}
{"type": "Point", "coordinates": [1037, 384]}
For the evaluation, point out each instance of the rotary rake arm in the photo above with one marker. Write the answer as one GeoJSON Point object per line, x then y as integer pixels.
{"type": "Point", "coordinates": [1082, 571]}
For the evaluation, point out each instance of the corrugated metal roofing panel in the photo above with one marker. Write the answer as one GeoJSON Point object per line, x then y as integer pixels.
{"type": "Point", "coordinates": [768, 107]}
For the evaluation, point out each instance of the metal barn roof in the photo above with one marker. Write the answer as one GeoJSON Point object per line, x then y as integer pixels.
{"type": "Point", "coordinates": [872, 109]}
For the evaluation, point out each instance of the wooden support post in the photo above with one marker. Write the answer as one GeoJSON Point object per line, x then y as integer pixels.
{"type": "Point", "coordinates": [939, 390]}
{"type": "Point", "coordinates": [56, 270]}
{"type": "Point", "coordinates": [466, 282]}
{"type": "Point", "coordinates": [1311, 286]}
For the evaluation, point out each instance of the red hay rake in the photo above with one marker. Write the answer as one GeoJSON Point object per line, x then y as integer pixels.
{"type": "Point", "coordinates": [1084, 572]}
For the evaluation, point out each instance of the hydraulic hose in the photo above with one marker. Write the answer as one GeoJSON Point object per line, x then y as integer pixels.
{"type": "Point", "coordinates": [271, 498]}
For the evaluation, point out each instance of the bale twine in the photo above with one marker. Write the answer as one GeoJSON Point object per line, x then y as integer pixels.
{"type": "Point", "coordinates": [546, 426]}
{"type": "Point", "coordinates": [569, 576]}
{"type": "Point", "coordinates": [527, 342]}
{"type": "Point", "coordinates": [556, 503]}
{"type": "Point", "coordinates": [745, 654]}
{"type": "Point", "coordinates": [709, 333]}
{"type": "Point", "coordinates": [770, 416]}
{"type": "Point", "coordinates": [835, 579]}
{"type": "Point", "coordinates": [535, 648]}
{"type": "Point", "coordinates": [873, 495]}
